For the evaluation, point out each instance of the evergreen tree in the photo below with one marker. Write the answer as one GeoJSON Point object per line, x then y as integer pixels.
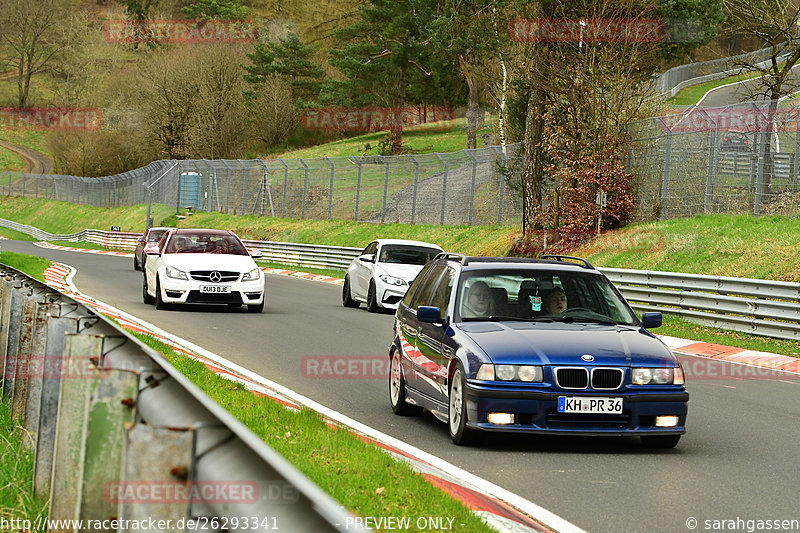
{"type": "Point", "coordinates": [290, 60]}
{"type": "Point", "coordinates": [380, 57]}
{"type": "Point", "coordinates": [216, 9]}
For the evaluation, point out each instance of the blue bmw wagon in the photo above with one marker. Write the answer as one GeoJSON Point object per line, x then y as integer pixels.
{"type": "Point", "coordinates": [532, 346]}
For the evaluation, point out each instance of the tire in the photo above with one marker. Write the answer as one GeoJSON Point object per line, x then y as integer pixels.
{"type": "Point", "coordinates": [397, 389]}
{"type": "Point", "coordinates": [457, 409]}
{"type": "Point", "coordinates": [160, 305]}
{"type": "Point", "coordinates": [347, 298]}
{"type": "Point", "coordinates": [136, 263]}
{"type": "Point", "coordinates": [146, 298]}
{"type": "Point", "coordinates": [372, 304]}
{"type": "Point", "coordinates": [660, 441]}
{"type": "Point", "coordinates": [256, 308]}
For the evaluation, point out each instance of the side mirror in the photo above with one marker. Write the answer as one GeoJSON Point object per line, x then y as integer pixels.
{"type": "Point", "coordinates": [255, 253]}
{"type": "Point", "coordinates": [426, 313]}
{"type": "Point", "coordinates": [651, 320]}
{"type": "Point", "coordinates": [367, 258]}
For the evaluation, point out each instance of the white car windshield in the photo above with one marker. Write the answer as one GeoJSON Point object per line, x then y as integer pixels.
{"type": "Point", "coordinates": [204, 243]}
{"type": "Point", "coordinates": [407, 255]}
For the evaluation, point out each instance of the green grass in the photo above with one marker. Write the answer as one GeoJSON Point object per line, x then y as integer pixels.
{"type": "Point", "coordinates": [449, 136]}
{"type": "Point", "coordinates": [721, 245]}
{"type": "Point", "coordinates": [358, 475]}
{"type": "Point", "coordinates": [30, 264]}
{"type": "Point", "coordinates": [10, 161]}
{"type": "Point", "coordinates": [676, 326]}
{"type": "Point", "coordinates": [17, 499]}
{"type": "Point", "coordinates": [15, 235]}
{"type": "Point", "coordinates": [33, 139]}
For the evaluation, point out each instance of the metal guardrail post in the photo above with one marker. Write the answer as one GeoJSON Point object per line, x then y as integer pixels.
{"type": "Point", "coordinates": [305, 188]}
{"type": "Point", "coordinates": [416, 182]}
{"type": "Point", "coordinates": [444, 186]}
{"type": "Point", "coordinates": [358, 184]}
{"type": "Point", "coordinates": [285, 186]}
{"type": "Point", "coordinates": [760, 175]}
{"type": "Point", "coordinates": [712, 139]}
{"type": "Point", "coordinates": [330, 187]}
{"type": "Point", "coordinates": [385, 186]}
{"type": "Point", "coordinates": [22, 354]}
{"type": "Point", "coordinates": [11, 334]}
{"type": "Point", "coordinates": [471, 208]}
{"type": "Point", "coordinates": [665, 179]}
{"type": "Point", "coordinates": [502, 180]}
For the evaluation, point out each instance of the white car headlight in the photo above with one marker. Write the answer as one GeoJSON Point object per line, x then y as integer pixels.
{"type": "Point", "coordinates": [656, 376]}
{"type": "Point", "coordinates": [173, 272]}
{"type": "Point", "coordinates": [252, 275]}
{"type": "Point", "coordinates": [526, 373]}
{"type": "Point", "coordinates": [391, 280]}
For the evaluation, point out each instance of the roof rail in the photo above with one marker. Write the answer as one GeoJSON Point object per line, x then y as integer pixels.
{"type": "Point", "coordinates": [461, 258]}
{"type": "Point", "coordinates": [586, 264]}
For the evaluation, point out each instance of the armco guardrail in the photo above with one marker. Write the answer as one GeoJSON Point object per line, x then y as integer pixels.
{"type": "Point", "coordinates": [119, 434]}
{"type": "Point", "coordinates": [761, 307]}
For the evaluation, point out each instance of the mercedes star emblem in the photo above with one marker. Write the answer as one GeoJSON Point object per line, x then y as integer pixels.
{"type": "Point", "coordinates": [215, 276]}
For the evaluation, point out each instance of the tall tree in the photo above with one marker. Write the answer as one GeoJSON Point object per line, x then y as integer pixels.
{"type": "Point", "coordinates": [35, 34]}
{"type": "Point", "coordinates": [379, 56]}
{"type": "Point", "coordinates": [773, 23]}
{"type": "Point", "coordinates": [288, 59]}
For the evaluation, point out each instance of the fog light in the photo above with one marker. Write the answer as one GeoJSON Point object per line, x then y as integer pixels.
{"type": "Point", "coordinates": [666, 421]}
{"type": "Point", "coordinates": [501, 418]}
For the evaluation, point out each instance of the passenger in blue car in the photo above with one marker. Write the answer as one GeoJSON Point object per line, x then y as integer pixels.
{"type": "Point", "coordinates": [478, 302]}
{"type": "Point", "coordinates": [555, 301]}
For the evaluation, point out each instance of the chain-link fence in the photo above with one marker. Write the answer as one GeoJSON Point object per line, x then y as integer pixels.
{"type": "Point", "coordinates": [737, 159]}
{"type": "Point", "coordinates": [469, 187]}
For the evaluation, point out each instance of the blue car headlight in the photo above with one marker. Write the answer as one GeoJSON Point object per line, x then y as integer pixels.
{"type": "Point", "coordinates": [524, 373]}
{"type": "Point", "coordinates": [391, 280]}
{"type": "Point", "coordinates": [252, 275]}
{"type": "Point", "coordinates": [657, 376]}
{"type": "Point", "coordinates": [173, 272]}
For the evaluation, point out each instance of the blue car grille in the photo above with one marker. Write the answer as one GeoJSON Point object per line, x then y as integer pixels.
{"type": "Point", "coordinates": [578, 378]}
{"type": "Point", "coordinates": [555, 419]}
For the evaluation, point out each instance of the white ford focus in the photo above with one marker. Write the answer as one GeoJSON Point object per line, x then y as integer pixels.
{"type": "Point", "coordinates": [381, 274]}
{"type": "Point", "coordinates": [204, 266]}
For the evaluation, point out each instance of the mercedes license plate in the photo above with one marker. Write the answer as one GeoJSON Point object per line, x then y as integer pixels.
{"type": "Point", "coordinates": [588, 404]}
{"type": "Point", "coordinates": [216, 289]}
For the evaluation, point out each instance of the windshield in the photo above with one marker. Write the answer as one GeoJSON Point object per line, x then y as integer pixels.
{"type": "Point", "coordinates": [204, 243]}
{"type": "Point", "coordinates": [540, 296]}
{"type": "Point", "coordinates": [407, 255]}
{"type": "Point", "coordinates": [155, 235]}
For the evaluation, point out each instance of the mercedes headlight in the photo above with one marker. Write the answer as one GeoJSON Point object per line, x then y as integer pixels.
{"type": "Point", "coordinates": [173, 272]}
{"type": "Point", "coordinates": [252, 275]}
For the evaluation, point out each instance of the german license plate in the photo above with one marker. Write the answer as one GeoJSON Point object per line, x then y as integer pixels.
{"type": "Point", "coordinates": [586, 404]}
{"type": "Point", "coordinates": [216, 289]}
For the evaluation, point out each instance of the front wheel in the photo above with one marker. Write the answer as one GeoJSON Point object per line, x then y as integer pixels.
{"type": "Point", "coordinates": [146, 298]}
{"type": "Point", "coordinates": [397, 389]}
{"type": "Point", "coordinates": [457, 412]}
{"type": "Point", "coordinates": [136, 263]}
{"type": "Point", "coordinates": [347, 297]}
{"type": "Point", "coordinates": [160, 305]}
{"type": "Point", "coordinates": [660, 441]}
{"type": "Point", "coordinates": [372, 303]}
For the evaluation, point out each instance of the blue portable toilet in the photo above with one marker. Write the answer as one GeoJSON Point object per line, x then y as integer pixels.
{"type": "Point", "coordinates": [191, 185]}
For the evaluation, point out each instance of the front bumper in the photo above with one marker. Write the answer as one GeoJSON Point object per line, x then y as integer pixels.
{"type": "Point", "coordinates": [389, 296]}
{"type": "Point", "coordinates": [178, 291]}
{"type": "Point", "coordinates": [536, 411]}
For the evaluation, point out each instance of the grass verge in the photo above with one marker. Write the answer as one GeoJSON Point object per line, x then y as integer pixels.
{"type": "Point", "coordinates": [15, 235]}
{"type": "Point", "coordinates": [30, 264]}
{"type": "Point", "coordinates": [17, 499]}
{"type": "Point", "coordinates": [692, 95]}
{"type": "Point", "coordinates": [363, 478]}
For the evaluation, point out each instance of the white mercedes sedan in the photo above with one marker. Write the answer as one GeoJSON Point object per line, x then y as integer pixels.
{"type": "Point", "coordinates": [203, 266]}
{"type": "Point", "coordinates": [381, 274]}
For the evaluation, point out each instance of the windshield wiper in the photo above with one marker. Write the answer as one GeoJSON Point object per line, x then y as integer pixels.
{"type": "Point", "coordinates": [571, 319]}
{"type": "Point", "coordinates": [504, 318]}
